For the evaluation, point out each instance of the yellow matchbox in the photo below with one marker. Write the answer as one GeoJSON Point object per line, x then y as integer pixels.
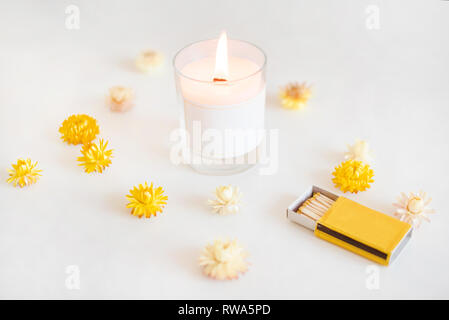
{"type": "Point", "coordinates": [348, 224]}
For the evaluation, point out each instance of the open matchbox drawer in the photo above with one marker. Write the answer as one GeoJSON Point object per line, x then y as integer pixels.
{"type": "Point", "coordinates": [348, 224]}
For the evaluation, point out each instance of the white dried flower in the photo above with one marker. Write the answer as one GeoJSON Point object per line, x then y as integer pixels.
{"type": "Point", "coordinates": [120, 98]}
{"type": "Point", "coordinates": [413, 208]}
{"type": "Point", "coordinates": [149, 61]}
{"type": "Point", "coordinates": [360, 151]}
{"type": "Point", "coordinates": [224, 260]}
{"type": "Point", "coordinates": [228, 200]}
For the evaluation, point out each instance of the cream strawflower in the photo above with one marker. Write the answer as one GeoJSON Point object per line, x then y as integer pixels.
{"type": "Point", "coordinates": [413, 208]}
{"type": "Point", "coordinates": [360, 151]}
{"type": "Point", "coordinates": [223, 260]}
{"type": "Point", "coordinates": [228, 200]}
{"type": "Point", "coordinates": [149, 61]}
{"type": "Point", "coordinates": [120, 98]}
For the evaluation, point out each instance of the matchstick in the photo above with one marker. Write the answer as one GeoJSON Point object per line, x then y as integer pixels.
{"type": "Point", "coordinates": [325, 199]}
{"type": "Point", "coordinates": [316, 206]}
{"type": "Point", "coordinates": [310, 214]}
{"type": "Point", "coordinates": [317, 212]}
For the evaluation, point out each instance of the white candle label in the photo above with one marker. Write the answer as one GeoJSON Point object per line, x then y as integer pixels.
{"type": "Point", "coordinates": [225, 131]}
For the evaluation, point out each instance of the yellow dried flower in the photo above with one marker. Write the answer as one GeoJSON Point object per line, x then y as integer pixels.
{"type": "Point", "coordinates": [79, 128]}
{"type": "Point", "coordinates": [23, 173]}
{"type": "Point", "coordinates": [353, 176]}
{"type": "Point", "coordinates": [224, 260]}
{"type": "Point", "coordinates": [95, 157]}
{"type": "Point", "coordinates": [295, 95]}
{"type": "Point", "coordinates": [149, 61]}
{"type": "Point", "coordinates": [121, 98]}
{"type": "Point", "coordinates": [146, 200]}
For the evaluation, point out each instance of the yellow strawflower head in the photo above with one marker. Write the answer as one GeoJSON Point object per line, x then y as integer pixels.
{"type": "Point", "coordinates": [146, 200]}
{"type": "Point", "coordinates": [224, 260]}
{"type": "Point", "coordinates": [295, 95]}
{"type": "Point", "coordinates": [23, 173]}
{"type": "Point", "coordinates": [353, 176]}
{"type": "Point", "coordinates": [95, 157]}
{"type": "Point", "coordinates": [79, 128]}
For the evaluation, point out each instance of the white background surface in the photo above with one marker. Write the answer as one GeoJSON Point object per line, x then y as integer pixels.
{"type": "Point", "coordinates": [389, 86]}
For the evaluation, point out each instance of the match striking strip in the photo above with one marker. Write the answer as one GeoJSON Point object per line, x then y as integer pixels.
{"type": "Point", "coordinates": [352, 242]}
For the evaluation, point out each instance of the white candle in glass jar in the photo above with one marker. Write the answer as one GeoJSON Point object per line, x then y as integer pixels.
{"type": "Point", "coordinates": [234, 105]}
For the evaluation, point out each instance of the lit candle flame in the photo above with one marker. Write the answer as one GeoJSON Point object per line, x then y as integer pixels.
{"type": "Point", "coordinates": [221, 72]}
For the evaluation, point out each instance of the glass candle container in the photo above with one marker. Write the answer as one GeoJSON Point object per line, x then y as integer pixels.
{"type": "Point", "coordinates": [223, 118]}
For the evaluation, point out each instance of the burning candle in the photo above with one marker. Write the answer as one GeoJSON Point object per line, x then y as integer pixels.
{"type": "Point", "coordinates": [221, 86]}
